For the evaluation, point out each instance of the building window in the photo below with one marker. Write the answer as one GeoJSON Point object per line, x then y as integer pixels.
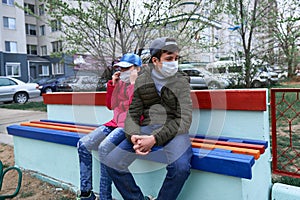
{"type": "Point", "coordinates": [31, 49]}
{"type": "Point", "coordinates": [30, 29]}
{"type": "Point", "coordinates": [11, 46]}
{"type": "Point", "coordinates": [43, 50]}
{"type": "Point", "coordinates": [8, 2]}
{"type": "Point", "coordinates": [13, 69]}
{"type": "Point", "coordinates": [56, 46]}
{"type": "Point", "coordinates": [43, 70]}
{"type": "Point", "coordinates": [42, 30]}
{"type": "Point", "coordinates": [55, 25]}
{"type": "Point", "coordinates": [171, 27]}
{"type": "Point", "coordinates": [9, 22]}
{"type": "Point", "coordinates": [57, 68]}
{"type": "Point", "coordinates": [28, 9]}
{"type": "Point", "coordinates": [41, 9]}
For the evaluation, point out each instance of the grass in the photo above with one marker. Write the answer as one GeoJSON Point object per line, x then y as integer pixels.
{"type": "Point", "coordinates": [288, 105]}
{"type": "Point", "coordinates": [286, 180]}
{"type": "Point", "coordinates": [36, 106]}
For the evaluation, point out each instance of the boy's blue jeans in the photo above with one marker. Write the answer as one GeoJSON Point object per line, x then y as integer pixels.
{"type": "Point", "coordinates": [107, 138]}
{"type": "Point", "coordinates": [177, 154]}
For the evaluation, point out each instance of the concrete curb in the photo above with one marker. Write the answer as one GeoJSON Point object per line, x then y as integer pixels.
{"type": "Point", "coordinates": [6, 139]}
{"type": "Point", "coordinates": [11, 116]}
{"type": "Point", "coordinates": [285, 192]}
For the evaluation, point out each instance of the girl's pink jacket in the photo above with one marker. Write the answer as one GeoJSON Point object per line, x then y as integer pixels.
{"type": "Point", "coordinates": [118, 99]}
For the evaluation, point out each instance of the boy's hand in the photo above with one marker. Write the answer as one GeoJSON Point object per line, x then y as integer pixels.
{"type": "Point", "coordinates": [142, 144]}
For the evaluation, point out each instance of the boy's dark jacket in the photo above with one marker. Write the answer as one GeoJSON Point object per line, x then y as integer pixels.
{"type": "Point", "coordinates": [173, 109]}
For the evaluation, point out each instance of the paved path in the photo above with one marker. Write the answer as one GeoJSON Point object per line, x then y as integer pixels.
{"type": "Point", "coordinates": [10, 116]}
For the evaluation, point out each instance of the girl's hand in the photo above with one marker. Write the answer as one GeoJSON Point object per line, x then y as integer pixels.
{"type": "Point", "coordinates": [115, 77]}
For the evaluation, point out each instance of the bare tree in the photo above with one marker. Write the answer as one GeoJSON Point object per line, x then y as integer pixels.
{"type": "Point", "coordinates": [250, 18]}
{"type": "Point", "coordinates": [105, 29]}
{"type": "Point", "coordinates": [285, 29]}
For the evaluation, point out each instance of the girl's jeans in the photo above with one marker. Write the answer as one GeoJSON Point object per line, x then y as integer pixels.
{"type": "Point", "coordinates": [107, 138]}
{"type": "Point", "coordinates": [176, 154]}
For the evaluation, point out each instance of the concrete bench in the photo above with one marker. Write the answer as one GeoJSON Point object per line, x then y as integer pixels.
{"type": "Point", "coordinates": [224, 116]}
{"type": "Point", "coordinates": [228, 156]}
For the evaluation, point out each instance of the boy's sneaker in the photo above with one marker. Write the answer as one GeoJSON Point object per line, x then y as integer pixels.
{"type": "Point", "coordinates": [90, 197]}
{"type": "Point", "coordinates": [149, 197]}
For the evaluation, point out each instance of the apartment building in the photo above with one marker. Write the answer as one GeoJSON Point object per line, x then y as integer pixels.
{"type": "Point", "coordinates": [26, 42]}
{"type": "Point", "coordinates": [13, 54]}
{"type": "Point", "coordinates": [219, 37]}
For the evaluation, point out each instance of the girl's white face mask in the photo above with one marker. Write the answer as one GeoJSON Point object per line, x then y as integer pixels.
{"type": "Point", "coordinates": [169, 68]}
{"type": "Point", "coordinates": [125, 76]}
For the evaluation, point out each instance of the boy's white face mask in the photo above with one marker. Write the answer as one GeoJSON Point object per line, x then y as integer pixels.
{"type": "Point", "coordinates": [169, 68]}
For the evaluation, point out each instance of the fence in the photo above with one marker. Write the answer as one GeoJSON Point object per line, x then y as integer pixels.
{"type": "Point", "coordinates": [285, 114]}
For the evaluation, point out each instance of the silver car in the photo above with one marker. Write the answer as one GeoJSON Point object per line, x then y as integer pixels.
{"type": "Point", "coordinates": [82, 83]}
{"type": "Point", "coordinates": [200, 77]}
{"type": "Point", "coordinates": [12, 89]}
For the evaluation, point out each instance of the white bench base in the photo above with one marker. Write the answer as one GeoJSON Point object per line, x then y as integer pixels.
{"type": "Point", "coordinates": [60, 162]}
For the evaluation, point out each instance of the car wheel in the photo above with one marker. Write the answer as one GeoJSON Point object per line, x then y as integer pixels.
{"type": "Point", "coordinates": [213, 85]}
{"type": "Point", "coordinates": [48, 90]}
{"type": "Point", "coordinates": [256, 84]}
{"type": "Point", "coordinates": [21, 97]}
{"type": "Point", "coordinates": [282, 78]}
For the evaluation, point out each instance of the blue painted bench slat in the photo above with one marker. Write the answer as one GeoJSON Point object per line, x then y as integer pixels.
{"type": "Point", "coordinates": [71, 123]}
{"type": "Point", "coordinates": [47, 135]}
{"type": "Point", "coordinates": [216, 161]}
{"type": "Point", "coordinates": [229, 139]}
{"type": "Point", "coordinates": [223, 162]}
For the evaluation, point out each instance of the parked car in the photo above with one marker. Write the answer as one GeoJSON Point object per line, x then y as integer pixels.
{"type": "Point", "coordinates": [102, 84]}
{"type": "Point", "coordinates": [203, 79]}
{"type": "Point", "coordinates": [228, 70]}
{"type": "Point", "coordinates": [282, 72]}
{"type": "Point", "coordinates": [54, 85]}
{"type": "Point", "coordinates": [82, 83]}
{"type": "Point", "coordinates": [197, 80]}
{"type": "Point", "coordinates": [235, 72]}
{"type": "Point", "coordinates": [12, 89]}
{"type": "Point", "coordinates": [260, 79]}
{"type": "Point", "coordinates": [272, 75]}
{"type": "Point", "coordinates": [297, 72]}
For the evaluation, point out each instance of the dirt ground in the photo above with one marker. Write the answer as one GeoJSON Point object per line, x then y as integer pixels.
{"type": "Point", "coordinates": [31, 188]}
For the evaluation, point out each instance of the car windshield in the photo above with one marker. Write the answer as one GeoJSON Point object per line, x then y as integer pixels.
{"type": "Point", "coordinates": [62, 79]}
{"type": "Point", "coordinates": [207, 73]}
{"type": "Point", "coordinates": [192, 72]}
{"type": "Point", "coordinates": [40, 80]}
{"type": "Point", "coordinates": [50, 80]}
{"type": "Point", "coordinates": [71, 80]}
